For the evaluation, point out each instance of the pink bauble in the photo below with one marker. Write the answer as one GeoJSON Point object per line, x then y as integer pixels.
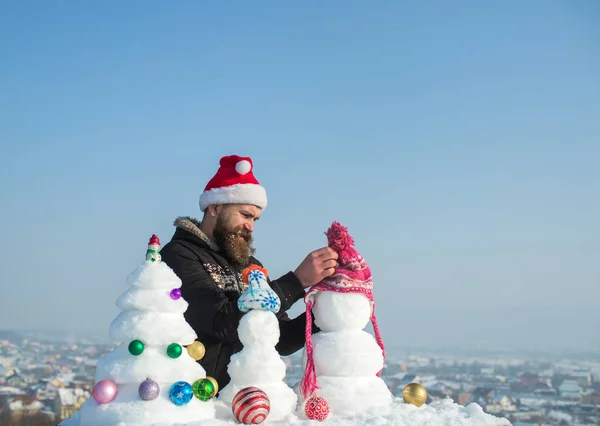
{"type": "Point", "coordinates": [104, 391]}
{"type": "Point", "coordinates": [251, 406]}
{"type": "Point", "coordinates": [316, 408]}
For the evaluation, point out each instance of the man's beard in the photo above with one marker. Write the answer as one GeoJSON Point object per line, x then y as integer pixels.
{"type": "Point", "coordinates": [237, 250]}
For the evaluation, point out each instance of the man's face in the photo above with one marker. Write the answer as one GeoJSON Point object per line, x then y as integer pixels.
{"type": "Point", "coordinates": [233, 231]}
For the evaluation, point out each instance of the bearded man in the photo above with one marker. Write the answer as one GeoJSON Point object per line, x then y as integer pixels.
{"type": "Point", "coordinates": [209, 256]}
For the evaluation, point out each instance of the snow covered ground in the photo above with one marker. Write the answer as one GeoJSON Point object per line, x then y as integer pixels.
{"type": "Point", "coordinates": [442, 413]}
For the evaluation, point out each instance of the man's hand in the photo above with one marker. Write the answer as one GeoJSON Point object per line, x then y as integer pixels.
{"type": "Point", "coordinates": [317, 265]}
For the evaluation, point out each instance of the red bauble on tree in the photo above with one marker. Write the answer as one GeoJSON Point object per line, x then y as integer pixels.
{"type": "Point", "coordinates": [316, 408]}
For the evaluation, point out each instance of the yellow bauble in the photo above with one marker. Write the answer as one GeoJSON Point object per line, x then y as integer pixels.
{"type": "Point", "coordinates": [215, 384]}
{"type": "Point", "coordinates": [415, 394]}
{"type": "Point", "coordinates": [196, 350]}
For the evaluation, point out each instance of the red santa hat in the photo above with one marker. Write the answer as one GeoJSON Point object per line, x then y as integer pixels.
{"type": "Point", "coordinates": [234, 183]}
{"type": "Point", "coordinates": [352, 275]}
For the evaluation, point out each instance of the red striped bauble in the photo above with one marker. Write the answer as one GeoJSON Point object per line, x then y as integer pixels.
{"type": "Point", "coordinates": [251, 406]}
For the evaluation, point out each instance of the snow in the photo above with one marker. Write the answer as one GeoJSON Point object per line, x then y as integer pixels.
{"type": "Point", "coordinates": [9, 390]}
{"type": "Point", "coordinates": [258, 326]}
{"type": "Point", "coordinates": [351, 353]}
{"type": "Point", "coordinates": [439, 413]}
{"type": "Point", "coordinates": [128, 409]}
{"type": "Point", "coordinates": [158, 276]}
{"type": "Point", "coordinates": [19, 405]}
{"type": "Point", "coordinates": [143, 298]}
{"type": "Point", "coordinates": [155, 328]}
{"type": "Point", "coordinates": [120, 367]}
{"type": "Point", "coordinates": [70, 396]}
{"type": "Point", "coordinates": [559, 415]}
{"type": "Point", "coordinates": [148, 312]}
{"type": "Point", "coordinates": [335, 312]}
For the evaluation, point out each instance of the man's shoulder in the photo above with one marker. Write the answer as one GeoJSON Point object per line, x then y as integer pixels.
{"type": "Point", "coordinates": [183, 244]}
{"type": "Point", "coordinates": [175, 246]}
{"type": "Point", "coordinates": [255, 261]}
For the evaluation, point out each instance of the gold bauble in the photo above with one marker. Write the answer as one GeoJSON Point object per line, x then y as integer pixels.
{"type": "Point", "coordinates": [215, 384]}
{"type": "Point", "coordinates": [415, 394]}
{"type": "Point", "coordinates": [196, 350]}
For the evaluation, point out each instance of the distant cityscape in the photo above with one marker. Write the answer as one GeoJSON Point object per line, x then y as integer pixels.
{"type": "Point", "coordinates": [45, 377]}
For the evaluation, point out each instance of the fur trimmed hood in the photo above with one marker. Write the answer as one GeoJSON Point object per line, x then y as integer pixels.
{"type": "Point", "coordinates": [193, 226]}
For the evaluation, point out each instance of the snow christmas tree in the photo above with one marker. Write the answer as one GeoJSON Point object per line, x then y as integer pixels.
{"type": "Point", "coordinates": [258, 364]}
{"type": "Point", "coordinates": [153, 376]}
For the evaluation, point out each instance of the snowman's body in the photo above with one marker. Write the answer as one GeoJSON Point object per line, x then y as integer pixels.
{"type": "Point", "coordinates": [346, 358]}
{"type": "Point", "coordinates": [258, 363]}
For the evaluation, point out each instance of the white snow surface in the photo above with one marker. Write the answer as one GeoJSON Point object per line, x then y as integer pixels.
{"type": "Point", "coordinates": [151, 299]}
{"type": "Point", "coordinates": [153, 328]}
{"type": "Point", "coordinates": [439, 413]}
{"type": "Point", "coordinates": [346, 353]}
{"type": "Point", "coordinates": [120, 367]}
{"type": "Point", "coordinates": [257, 365]}
{"type": "Point", "coordinates": [128, 409]}
{"type": "Point", "coordinates": [148, 313]}
{"type": "Point", "coordinates": [154, 275]}
{"type": "Point", "coordinates": [258, 329]}
{"type": "Point", "coordinates": [348, 396]}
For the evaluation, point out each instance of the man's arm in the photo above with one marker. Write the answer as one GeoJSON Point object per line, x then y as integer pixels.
{"type": "Point", "coordinates": [293, 334]}
{"type": "Point", "coordinates": [210, 310]}
{"type": "Point", "coordinates": [289, 289]}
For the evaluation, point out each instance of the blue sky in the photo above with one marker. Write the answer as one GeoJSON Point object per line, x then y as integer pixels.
{"type": "Point", "coordinates": [458, 141]}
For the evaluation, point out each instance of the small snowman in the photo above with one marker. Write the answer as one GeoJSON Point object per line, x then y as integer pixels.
{"type": "Point", "coordinates": [343, 363]}
{"type": "Point", "coordinates": [258, 364]}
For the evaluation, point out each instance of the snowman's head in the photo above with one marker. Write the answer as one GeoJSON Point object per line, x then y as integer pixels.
{"type": "Point", "coordinates": [334, 311]}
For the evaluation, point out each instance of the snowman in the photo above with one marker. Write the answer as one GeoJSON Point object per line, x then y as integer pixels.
{"type": "Point", "coordinates": [343, 363]}
{"type": "Point", "coordinates": [259, 364]}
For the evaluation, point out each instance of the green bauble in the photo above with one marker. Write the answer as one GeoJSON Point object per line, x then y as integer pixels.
{"type": "Point", "coordinates": [136, 347]}
{"type": "Point", "coordinates": [204, 389]}
{"type": "Point", "coordinates": [174, 350]}
{"type": "Point", "coordinates": [214, 382]}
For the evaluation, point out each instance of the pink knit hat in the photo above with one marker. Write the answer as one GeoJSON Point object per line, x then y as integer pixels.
{"type": "Point", "coordinates": [352, 275]}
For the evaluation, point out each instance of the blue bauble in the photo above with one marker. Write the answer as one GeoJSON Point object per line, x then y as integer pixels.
{"type": "Point", "coordinates": [181, 393]}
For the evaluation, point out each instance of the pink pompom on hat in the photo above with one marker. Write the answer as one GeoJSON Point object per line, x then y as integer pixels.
{"type": "Point", "coordinates": [234, 183]}
{"type": "Point", "coordinates": [352, 275]}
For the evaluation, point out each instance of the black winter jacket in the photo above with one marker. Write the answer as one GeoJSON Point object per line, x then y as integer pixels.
{"type": "Point", "coordinates": [211, 286]}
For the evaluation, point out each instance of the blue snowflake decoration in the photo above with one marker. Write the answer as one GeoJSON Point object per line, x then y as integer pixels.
{"type": "Point", "coordinates": [259, 295]}
{"type": "Point", "coordinates": [270, 302]}
{"type": "Point", "coordinates": [256, 275]}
